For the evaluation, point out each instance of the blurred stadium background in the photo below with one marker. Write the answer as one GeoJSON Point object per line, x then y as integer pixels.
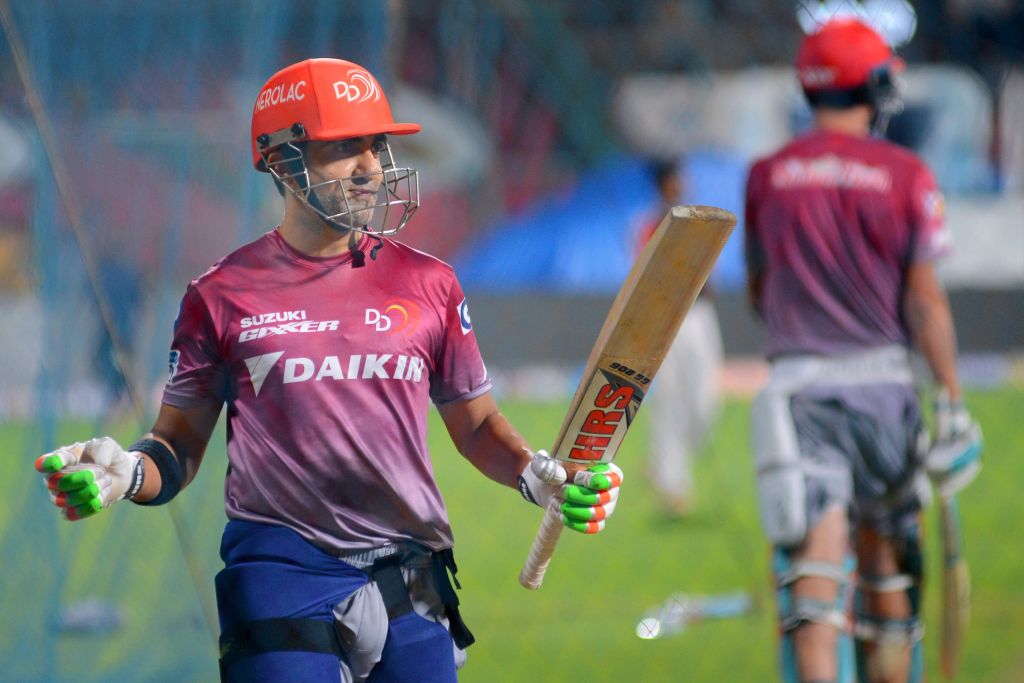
{"type": "Point", "coordinates": [124, 154]}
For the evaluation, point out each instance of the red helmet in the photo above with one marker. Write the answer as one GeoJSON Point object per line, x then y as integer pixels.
{"type": "Point", "coordinates": [843, 54]}
{"type": "Point", "coordinates": [320, 99]}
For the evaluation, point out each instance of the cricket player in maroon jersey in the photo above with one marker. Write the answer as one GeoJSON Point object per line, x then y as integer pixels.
{"type": "Point", "coordinates": [842, 231]}
{"type": "Point", "coordinates": [327, 341]}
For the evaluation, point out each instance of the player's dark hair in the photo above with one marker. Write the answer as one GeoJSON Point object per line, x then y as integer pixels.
{"type": "Point", "coordinates": [661, 170]}
{"type": "Point", "coordinates": [839, 98]}
{"type": "Point", "coordinates": [877, 92]}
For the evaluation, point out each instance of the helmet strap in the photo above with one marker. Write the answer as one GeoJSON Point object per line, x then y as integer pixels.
{"type": "Point", "coordinates": [358, 257]}
{"type": "Point", "coordinates": [376, 247]}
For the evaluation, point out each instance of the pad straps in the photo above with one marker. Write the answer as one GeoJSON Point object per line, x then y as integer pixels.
{"type": "Point", "coordinates": [443, 562]}
{"type": "Point", "coordinates": [387, 573]}
{"type": "Point", "coordinates": [274, 635]}
{"type": "Point", "coordinates": [325, 637]}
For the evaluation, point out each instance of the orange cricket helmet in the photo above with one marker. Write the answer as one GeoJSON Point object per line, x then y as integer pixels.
{"type": "Point", "coordinates": [842, 54]}
{"type": "Point", "coordinates": [320, 99]}
{"type": "Point", "coordinates": [847, 63]}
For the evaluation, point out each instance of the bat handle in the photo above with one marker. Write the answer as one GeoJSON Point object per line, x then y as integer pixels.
{"type": "Point", "coordinates": [532, 575]}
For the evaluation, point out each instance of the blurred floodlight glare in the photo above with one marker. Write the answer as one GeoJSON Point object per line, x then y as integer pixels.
{"type": "Point", "coordinates": [896, 20]}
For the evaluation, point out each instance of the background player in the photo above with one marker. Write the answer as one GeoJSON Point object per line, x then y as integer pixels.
{"type": "Point", "coordinates": [843, 230]}
{"type": "Point", "coordinates": [338, 545]}
{"type": "Point", "coordinates": [687, 397]}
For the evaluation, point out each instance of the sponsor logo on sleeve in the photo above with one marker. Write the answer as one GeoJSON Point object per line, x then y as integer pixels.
{"type": "Point", "coordinates": [937, 233]}
{"type": "Point", "coordinates": [464, 321]}
{"type": "Point", "coordinates": [934, 206]}
{"type": "Point", "coordinates": [172, 364]}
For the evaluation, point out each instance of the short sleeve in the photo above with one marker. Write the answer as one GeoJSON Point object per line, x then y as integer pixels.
{"type": "Point", "coordinates": [752, 244]}
{"type": "Point", "coordinates": [459, 372]}
{"type": "Point", "coordinates": [196, 370]}
{"type": "Point", "coordinates": [931, 236]}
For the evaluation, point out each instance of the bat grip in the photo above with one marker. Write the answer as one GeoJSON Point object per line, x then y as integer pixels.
{"type": "Point", "coordinates": [532, 575]}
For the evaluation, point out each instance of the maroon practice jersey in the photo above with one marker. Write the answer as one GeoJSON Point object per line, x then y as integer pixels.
{"type": "Point", "coordinates": [328, 372]}
{"type": "Point", "coordinates": [832, 223]}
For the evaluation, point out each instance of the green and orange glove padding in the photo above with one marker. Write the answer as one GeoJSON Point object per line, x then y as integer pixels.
{"type": "Point", "coordinates": [591, 498]}
{"type": "Point", "coordinates": [585, 504]}
{"type": "Point", "coordinates": [84, 478]}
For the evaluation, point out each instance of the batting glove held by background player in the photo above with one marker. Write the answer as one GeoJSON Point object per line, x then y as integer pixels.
{"type": "Point", "coordinates": [585, 504]}
{"type": "Point", "coordinates": [84, 478]}
{"type": "Point", "coordinates": [954, 459]}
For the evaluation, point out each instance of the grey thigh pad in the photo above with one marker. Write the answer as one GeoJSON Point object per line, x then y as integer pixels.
{"type": "Point", "coordinates": [860, 447]}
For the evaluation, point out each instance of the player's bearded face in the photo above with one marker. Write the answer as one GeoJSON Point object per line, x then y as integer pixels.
{"type": "Point", "coordinates": [346, 177]}
{"type": "Point", "coordinates": [351, 200]}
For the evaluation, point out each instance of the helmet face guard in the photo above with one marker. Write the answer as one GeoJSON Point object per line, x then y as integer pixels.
{"type": "Point", "coordinates": [886, 99]}
{"type": "Point", "coordinates": [394, 199]}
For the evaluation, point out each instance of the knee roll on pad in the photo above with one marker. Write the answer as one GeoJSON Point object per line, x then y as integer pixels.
{"type": "Point", "coordinates": [891, 636]}
{"type": "Point", "coordinates": [795, 611]}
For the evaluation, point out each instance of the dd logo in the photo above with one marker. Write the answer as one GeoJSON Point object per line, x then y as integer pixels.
{"type": "Point", "coordinates": [380, 322]}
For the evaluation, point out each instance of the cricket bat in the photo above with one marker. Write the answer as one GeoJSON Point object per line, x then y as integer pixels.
{"type": "Point", "coordinates": [636, 335]}
{"type": "Point", "coordinates": [956, 587]}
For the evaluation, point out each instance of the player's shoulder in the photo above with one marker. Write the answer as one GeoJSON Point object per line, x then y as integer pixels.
{"type": "Point", "coordinates": [807, 144]}
{"type": "Point", "coordinates": [418, 261]}
{"type": "Point", "coordinates": [764, 162]}
{"type": "Point", "coordinates": [894, 154]}
{"type": "Point", "coordinates": [873, 150]}
{"type": "Point", "coordinates": [236, 263]}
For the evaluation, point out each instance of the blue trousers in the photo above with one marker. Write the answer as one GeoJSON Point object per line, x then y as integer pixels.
{"type": "Point", "coordinates": [272, 572]}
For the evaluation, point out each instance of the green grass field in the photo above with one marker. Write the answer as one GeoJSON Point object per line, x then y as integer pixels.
{"type": "Point", "coordinates": [578, 627]}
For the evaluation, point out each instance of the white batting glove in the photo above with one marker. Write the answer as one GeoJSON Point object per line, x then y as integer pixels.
{"type": "Point", "coordinates": [954, 459]}
{"type": "Point", "coordinates": [541, 479]}
{"type": "Point", "coordinates": [84, 478]}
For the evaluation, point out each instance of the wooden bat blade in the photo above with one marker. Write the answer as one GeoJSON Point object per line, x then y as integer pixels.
{"type": "Point", "coordinates": [641, 325]}
{"type": "Point", "coordinates": [956, 588]}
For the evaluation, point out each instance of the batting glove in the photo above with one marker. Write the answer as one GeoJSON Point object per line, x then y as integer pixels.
{"type": "Point", "coordinates": [585, 504]}
{"type": "Point", "coordinates": [541, 479]}
{"type": "Point", "coordinates": [954, 459]}
{"type": "Point", "coordinates": [590, 499]}
{"type": "Point", "coordinates": [84, 478]}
